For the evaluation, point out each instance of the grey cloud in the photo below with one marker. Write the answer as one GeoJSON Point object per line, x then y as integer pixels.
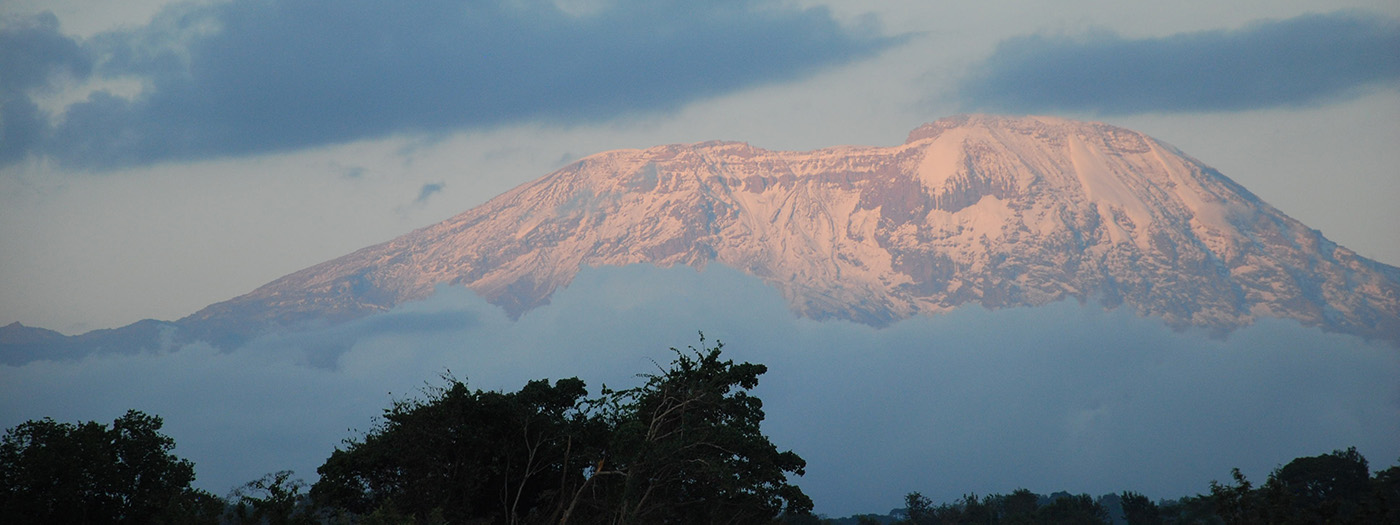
{"type": "Point", "coordinates": [322, 347]}
{"type": "Point", "coordinates": [32, 51]}
{"type": "Point", "coordinates": [32, 55]}
{"type": "Point", "coordinates": [1310, 59]}
{"type": "Point", "coordinates": [1064, 397]}
{"type": "Point", "coordinates": [237, 78]}
{"type": "Point", "coordinates": [428, 190]}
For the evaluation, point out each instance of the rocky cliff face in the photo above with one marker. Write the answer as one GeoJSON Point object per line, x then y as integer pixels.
{"type": "Point", "coordinates": [974, 209]}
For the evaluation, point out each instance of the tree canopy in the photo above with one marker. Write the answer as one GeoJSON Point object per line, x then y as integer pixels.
{"type": "Point", "coordinates": [53, 472]}
{"type": "Point", "coordinates": [1329, 488]}
{"type": "Point", "coordinates": [684, 447]}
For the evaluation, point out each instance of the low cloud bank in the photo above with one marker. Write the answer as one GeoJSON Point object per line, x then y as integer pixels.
{"type": "Point", "coordinates": [1301, 61]}
{"type": "Point", "coordinates": [1064, 397]}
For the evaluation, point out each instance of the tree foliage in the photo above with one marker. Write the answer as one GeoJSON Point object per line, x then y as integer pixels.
{"type": "Point", "coordinates": [1330, 488]}
{"type": "Point", "coordinates": [1073, 509]}
{"type": "Point", "coordinates": [274, 499]}
{"type": "Point", "coordinates": [685, 447]}
{"type": "Point", "coordinates": [462, 454]}
{"type": "Point", "coordinates": [1326, 488]}
{"type": "Point", "coordinates": [1139, 510]}
{"type": "Point", "coordinates": [52, 472]}
{"type": "Point", "coordinates": [1020, 507]}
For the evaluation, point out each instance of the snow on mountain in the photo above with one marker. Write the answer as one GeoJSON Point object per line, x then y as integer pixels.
{"type": "Point", "coordinates": [975, 209]}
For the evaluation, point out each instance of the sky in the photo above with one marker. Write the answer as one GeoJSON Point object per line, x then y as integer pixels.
{"type": "Point", "coordinates": [159, 156]}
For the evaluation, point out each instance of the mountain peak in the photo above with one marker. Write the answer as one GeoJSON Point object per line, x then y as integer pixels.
{"type": "Point", "coordinates": [1045, 126]}
{"type": "Point", "coordinates": [974, 209]}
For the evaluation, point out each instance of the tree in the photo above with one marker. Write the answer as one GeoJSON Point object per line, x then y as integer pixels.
{"type": "Point", "coordinates": [1329, 488]}
{"type": "Point", "coordinates": [53, 472]}
{"type": "Point", "coordinates": [1139, 510]}
{"type": "Point", "coordinates": [976, 510]}
{"type": "Point", "coordinates": [1080, 509]}
{"type": "Point", "coordinates": [1385, 496]}
{"type": "Point", "coordinates": [1236, 503]}
{"type": "Point", "coordinates": [686, 448]}
{"type": "Point", "coordinates": [918, 510]}
{"type": "Point", "coordinates": [1019, 506]}
{"type": "Point", "coordinates": [274, 499]}
{"type": "Point", "coordinates": [1326, 488]}
{"type": "Point", "coordinates": [465, 455]}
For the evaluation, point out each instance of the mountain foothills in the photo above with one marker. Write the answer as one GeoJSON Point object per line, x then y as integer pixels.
{"type": "Point", "coordinates": [977, 209]}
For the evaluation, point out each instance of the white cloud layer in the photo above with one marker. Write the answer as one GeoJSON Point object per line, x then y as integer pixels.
{"type": "Point", "coordinates": [1065, 397]}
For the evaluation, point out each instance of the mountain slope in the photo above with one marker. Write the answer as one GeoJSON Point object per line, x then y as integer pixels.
{"type": "Point", "coordinates": [978, 209]}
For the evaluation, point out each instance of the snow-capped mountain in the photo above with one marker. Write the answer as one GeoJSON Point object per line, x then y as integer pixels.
{"type": "Point", "coordinates": [984, 210]}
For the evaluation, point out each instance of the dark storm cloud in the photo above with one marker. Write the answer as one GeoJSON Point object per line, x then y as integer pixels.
{"type": "Point", "coordinates": [256, 76]}
{"type": "Point", "coordinates": [1063, 397]}
{"type": "Point", "coordinates": [1300, 61]}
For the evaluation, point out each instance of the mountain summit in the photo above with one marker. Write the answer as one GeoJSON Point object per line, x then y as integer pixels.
{"type": "Point", "coordinates": [976, 209]}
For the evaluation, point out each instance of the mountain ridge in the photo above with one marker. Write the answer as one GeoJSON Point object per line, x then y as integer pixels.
{"type": "Point", "coordinates": [973, 209]}
{"type": "Point", "coordinates": [1001, 211]}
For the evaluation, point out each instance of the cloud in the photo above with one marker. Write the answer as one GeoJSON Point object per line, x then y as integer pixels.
{"type": "Point", "coordinates": [1301, 61]}
{"type": "Point", "coordinates": [33, 55]}
{"type": "Point", "coordinates": [235, 78]}
{"type": "Point", "coordinates": [32, 52]}
{"type": "Point", "coordinates": [428, 190]}
{"type": "Point", "coordinates": [1064, 397]}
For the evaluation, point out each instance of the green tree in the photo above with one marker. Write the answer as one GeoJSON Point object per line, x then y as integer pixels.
{"type": "Point", "coordinates": [1189, 509]}
{"type": "Point", "coordinates": [274, 499]}
{"type": "Point", "coordinates": [976, 510]}
{"type": "Point", "coordinates": [1333, 487]}
{"type": "Point", "coordinates": [1237, 502]}
{"type": "Point", "coordinates": [53, 472]}
{"type": "Point", "coordinates": [1328, 488]}
{"type": "Point", "coordinates": [465, 455]}
{"type": "Point", "coordinates": [1080, 509]}
{"type": "Point", "coordinates": [1019, 506]}
{"type": "Point", "coordinates": [686, 448]}
{"type": "Point", "coordinates": [918, 510]}
{"type": "Point", "coordinates": [1385, 496]}
{"type": "Point", "coordinates": [1139, 510]}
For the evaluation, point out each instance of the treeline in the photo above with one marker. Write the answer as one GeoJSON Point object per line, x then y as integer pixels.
{"type": "Point", "coordinates": [684, 447]}
{"type": "Point", "coordinates": [1337, 487]}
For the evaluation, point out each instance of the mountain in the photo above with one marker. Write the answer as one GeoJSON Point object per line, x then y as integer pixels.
{"type": "Point", "coordinates": [976, 209]}
{"type": "Point", "coordinates": [21, 344]}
